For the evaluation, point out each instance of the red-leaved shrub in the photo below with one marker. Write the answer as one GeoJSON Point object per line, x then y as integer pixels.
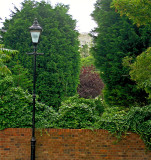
{"type": "Point", "coordinates": [90, 82]}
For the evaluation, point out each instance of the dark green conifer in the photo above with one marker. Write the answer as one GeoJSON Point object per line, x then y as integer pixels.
{"type": "Point", "coordinates": [58, 68]}
{"type": "Point", "coordinates": [115, 38]}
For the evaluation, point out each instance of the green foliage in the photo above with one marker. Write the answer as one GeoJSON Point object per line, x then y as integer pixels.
{"type": "Point", "coordinates": [118, 121]}
{"type": "Point", "coordinates": [21, 77]}
{"type": "Point", "coordinates": [115, 38]}
{"type": "Point", "coordinates": [112, 119]}
{"type": "Point", "coordinates": [137, 10]}
{"type": "Point", "coordinates": [16, 109]}
{"type": "Point", "coordinates": [5, 83]}
{"type": "Point", "coordinates": [75, 112]}
{"type": "Point", "coordinates": [125, 96]}
{"type": "Point", "coordinates": [5, 55]}
{"type": "Point", "coordinates": [58, 69]}
{"type": "Point", "coordinates": [79, 113]}
{"type": "Point", "coordinates": [140, 70]}
{"type": "Point", "coordinates": [16, 104]}
{"type": "Point", "coordinates": [87, 61]}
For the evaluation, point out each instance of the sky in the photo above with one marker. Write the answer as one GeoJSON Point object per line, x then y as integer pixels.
{"type": "Point", "coordinates": [79, 9]}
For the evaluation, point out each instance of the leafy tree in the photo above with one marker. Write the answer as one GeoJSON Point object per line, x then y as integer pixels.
{"type": "Point", "coordinates": [58, 69]}
{"type": "Point", "coordinates": [117, 38]}
{"type": "Point", "coordinates": [90, 83]}
{"type": "Point", "coordinates": [137, 10]}
{"type": "Point", "coordinates": [140, 70]}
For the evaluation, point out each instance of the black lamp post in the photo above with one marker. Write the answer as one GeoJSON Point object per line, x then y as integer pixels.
{"type": "Point", "coordinates": [35, 31]}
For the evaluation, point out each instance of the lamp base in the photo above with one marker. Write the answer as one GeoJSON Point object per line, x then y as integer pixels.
{"type": "Point", "coordinates": [33, 144]}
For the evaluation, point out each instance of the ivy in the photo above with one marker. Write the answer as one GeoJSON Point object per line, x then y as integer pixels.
{"type": "Point", "coordinates": [77, 113]}
{"type": "Point", "coordinates": [118, 121]}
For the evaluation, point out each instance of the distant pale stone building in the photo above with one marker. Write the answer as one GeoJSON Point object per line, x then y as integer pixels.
{"type": "Point", "coordinates": [84, 39]}
{"type": "Point", "coordinates": [86, 42]}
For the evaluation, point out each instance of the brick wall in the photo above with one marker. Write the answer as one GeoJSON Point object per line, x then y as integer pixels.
{"type": "Point", "coordinates": [70, 144]}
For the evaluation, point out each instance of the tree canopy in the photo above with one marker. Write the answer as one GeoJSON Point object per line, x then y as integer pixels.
{"type": "Point", "coordinates": [140, 70]}
{"type": "Point", "coordinates": [115, 38]}
{"type": "Point", "coordinates": [137, 10]}
{"type": "Point", "coordinates": [58, 69]}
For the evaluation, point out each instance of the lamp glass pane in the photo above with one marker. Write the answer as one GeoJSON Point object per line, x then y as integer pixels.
{"type": "Point", "coordinates": [35, 36]}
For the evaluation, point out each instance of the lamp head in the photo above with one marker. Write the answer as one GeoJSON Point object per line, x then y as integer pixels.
{"type": "Point", "coordinates": [35, 31]}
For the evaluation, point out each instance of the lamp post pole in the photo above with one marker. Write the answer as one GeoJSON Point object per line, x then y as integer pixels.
{"type": "Point", "coordinates": [33, 140]}
{"type": "Point", "coordinates": [35, 31]}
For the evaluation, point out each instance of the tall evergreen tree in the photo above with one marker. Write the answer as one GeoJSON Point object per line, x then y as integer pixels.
{"type": "Point", "coordinates": [58, 69]}
{"type": "Point", "coordinates": [117, 38]}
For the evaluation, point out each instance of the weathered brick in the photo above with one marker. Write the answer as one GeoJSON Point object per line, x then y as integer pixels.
{"type": "Point", "coordinates": [71, 144]}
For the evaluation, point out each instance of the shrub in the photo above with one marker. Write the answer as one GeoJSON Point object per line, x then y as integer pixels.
{"type": "Point", "coordinates": [16, 110]}
{"type": "Point", "coordinates": [90, 83]}
{"type": "Point", "coordinates": [79, 113]}
{"type": "Point", "coordinates": [140, 71]}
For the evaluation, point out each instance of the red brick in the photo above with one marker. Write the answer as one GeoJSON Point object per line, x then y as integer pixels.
{"type": "Point", "coordinates": [70, 144]}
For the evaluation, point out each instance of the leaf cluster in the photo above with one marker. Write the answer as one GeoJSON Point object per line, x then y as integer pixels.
{"type": "Point", "coordinates": [5, 56]}
{"type": "Point", "coordinates": [90, 82]}
{"type": "Point", "coordinates": [21, 76]}
{"type": "Point", "coordinates": [87, 61]}
{"type": "Point", "coordinates": [137, 10]}
{"type": "Point", "coordinates": [140, 70]}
